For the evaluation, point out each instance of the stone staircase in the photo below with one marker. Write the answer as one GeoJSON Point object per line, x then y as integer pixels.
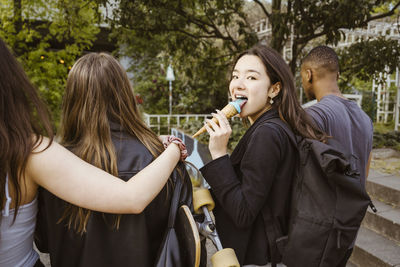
{"type": "Point", "coordinates": [378, 241]}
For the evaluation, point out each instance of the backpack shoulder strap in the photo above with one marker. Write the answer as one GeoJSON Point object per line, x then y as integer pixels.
{"type": "Point", "coordinates": [271, 229]}
{"type": "Point", "coordinates": [284, 126]}
{"type": "Point", "coordinates": [174, 200]}
{"type": "Point", "coordinates": [272, 235]}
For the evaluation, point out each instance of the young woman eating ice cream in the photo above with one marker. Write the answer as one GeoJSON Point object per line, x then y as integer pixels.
{"type": "Point", "coordinates": [256, 178]}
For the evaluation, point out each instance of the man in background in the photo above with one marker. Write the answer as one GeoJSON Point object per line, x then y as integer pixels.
{"type": "Point", "coordinates": [339, 117]}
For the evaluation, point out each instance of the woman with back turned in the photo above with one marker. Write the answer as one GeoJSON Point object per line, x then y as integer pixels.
{"type": "Point", "coordinates": [102, 125]}
{"type": "Point", "coordinates": [30, 159]}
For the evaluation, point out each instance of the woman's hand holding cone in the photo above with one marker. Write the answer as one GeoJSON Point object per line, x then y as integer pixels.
{"type": "Point", "coordinates": [219, 134]}
{"type": "Point", "coordinates": [229, 111]}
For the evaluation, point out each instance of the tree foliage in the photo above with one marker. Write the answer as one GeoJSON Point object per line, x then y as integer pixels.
{"type": "Point", "coordinates": [302, 21]}
{"type": "Point", "coordinates": [201, 38]}
{"type": "Point", "coordinates": [47, 37]}
{"type": "Point", "coordinates": [367, 59]}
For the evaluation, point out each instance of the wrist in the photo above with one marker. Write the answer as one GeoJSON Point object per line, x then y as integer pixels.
{"type": "Point", "coordinates": [174, 151]}
{"type": "Point", "coordinates": [170, 139]}
{"type": "Point", "coordinates": [216, 155]}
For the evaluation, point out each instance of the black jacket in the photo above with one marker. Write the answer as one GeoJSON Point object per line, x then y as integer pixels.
{"type": "Point", "coordinates": [138, 239]}
{"type": "Point", "coordinates": [257, 177]}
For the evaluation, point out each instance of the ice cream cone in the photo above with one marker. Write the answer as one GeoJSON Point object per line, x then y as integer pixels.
{"type": "Point", "coordinates": [229, 110]}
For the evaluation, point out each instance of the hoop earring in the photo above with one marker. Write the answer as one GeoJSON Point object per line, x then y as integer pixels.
{"type": "Point", "coordinates": [271, 101]}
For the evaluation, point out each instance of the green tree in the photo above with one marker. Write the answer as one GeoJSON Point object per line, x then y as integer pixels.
{"type": "Point", "coordinates": [307, 20]}
{"type": "Point", "coordinates": [47, 37]}
{"type": "Point", "coordinates": [367, 59]}
{"type": "Point", "coordinates": [201, 38]}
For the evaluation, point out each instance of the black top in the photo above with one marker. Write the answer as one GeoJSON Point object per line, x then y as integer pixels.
{"type": "Point", "coordinates": [138, 239]}
{"type": "Point", "coordinates": [257, 177]}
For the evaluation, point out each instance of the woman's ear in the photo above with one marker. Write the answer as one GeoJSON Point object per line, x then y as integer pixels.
{"type": "Point", "coordinates": [274, 90]}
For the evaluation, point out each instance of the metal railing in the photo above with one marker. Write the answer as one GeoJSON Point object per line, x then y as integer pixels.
{"type": "Point", "coordinates": [163, 123]}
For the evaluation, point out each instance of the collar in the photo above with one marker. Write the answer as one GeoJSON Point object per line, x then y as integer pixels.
{"type": "Point", "coordinates": [115, 126]}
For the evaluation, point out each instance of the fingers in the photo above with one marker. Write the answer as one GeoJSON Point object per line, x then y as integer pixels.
{"type": "Point", "coordinates": [208, 128]}
{"type": "Point", "coordinates": [223, 122]}
{"type": "Point", "coordinates": [219, 134]}
{"type": "Point", "coordinates": [222, 129]}
{"type": "Point", "coordinates": [212, 124]}
{"type": "Point", "coordinates": [222, 119]}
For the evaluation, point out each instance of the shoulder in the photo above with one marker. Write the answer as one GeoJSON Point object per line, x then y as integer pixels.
{"type": "Point", "coordinates": [322, 112]}
{"type": "Point", "coordinates": [40, 143]}
{"type": "Point", "coordinates": [316, 111]}
{"type": "Point", "coordinates": [128, 147]}
{"type": "Point", "coordinates": [270, 132]}
{"type": "Point", "coordinates": [270, 141]}
{"type": "Point", "coordinates": [267, 128]}
{"type": "Point", "coordinates": [321, 107]}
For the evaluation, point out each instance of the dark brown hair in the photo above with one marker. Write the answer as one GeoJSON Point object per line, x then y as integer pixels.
{"type": "Point", "coordinates": [24, 120]}
{"type": "Point", "coordinates": [98, 90]}
{"type": "Point", "coordinates": [286, 101]}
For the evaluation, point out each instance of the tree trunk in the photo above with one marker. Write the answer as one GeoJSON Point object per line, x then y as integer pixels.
{"type": "Point", "coordinates": [17, 23]}
{"type": "Point", "coordinates": [17, 15]}
{"type": "Point", "coordinates": [292, 63]}
{"type": "Point", "coordinates": [277, 38]}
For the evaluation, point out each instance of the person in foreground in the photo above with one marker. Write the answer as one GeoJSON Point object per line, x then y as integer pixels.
{"type": "Point", "coordinates": [30, 158]}
{"type": "Point", "coordinates": [256, 179]}
{"type": "Point", "coordinates": [101, 124]}
{"type": "Point", "coordinates": [339, 117]}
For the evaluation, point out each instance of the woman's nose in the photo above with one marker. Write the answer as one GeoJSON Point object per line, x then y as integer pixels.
{"type": "Point", "coordinates": [238, 84]}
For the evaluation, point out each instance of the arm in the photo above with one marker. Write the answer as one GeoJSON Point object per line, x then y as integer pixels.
{"type": "Point", "coordinates": [243, 200]}
{"type": "Point", "coordinates": [70, 178]}
{"type": "Point", "coordinates": [368, 164]}
{"type": "Point", "coordinates": [370, 141]}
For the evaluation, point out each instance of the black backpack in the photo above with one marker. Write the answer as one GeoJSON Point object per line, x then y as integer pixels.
{"type": "Point", "coordinates": [328, 203]}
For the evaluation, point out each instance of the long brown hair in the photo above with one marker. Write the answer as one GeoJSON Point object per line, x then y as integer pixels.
{"type": "Point", "coordinates": [24, 120]}
{"type": "Point", "coordinates": [286, 101]}
{"type": "Point", "coordinates": [98, 91]}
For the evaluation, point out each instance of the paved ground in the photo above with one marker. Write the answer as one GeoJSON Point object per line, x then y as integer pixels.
{"type": "Point", "coordinates": [386, 160]}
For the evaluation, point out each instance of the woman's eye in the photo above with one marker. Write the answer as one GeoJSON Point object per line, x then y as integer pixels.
{"type": "Point", "coordinates": [234, 77]}
{"type": "Point", "coordinates": [251, 78]}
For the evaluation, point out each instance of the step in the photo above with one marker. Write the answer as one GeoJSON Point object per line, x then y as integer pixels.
{"type": "Point", "coordinates": [384, 187]}
{"type": "Point", "coordinates": [373, 250]}
{"type": "Point", "coordinates": [386, 221]}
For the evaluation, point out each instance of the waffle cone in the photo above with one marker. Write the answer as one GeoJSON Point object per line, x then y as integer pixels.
{"type": "Point", "coordinates": [229, 111]}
